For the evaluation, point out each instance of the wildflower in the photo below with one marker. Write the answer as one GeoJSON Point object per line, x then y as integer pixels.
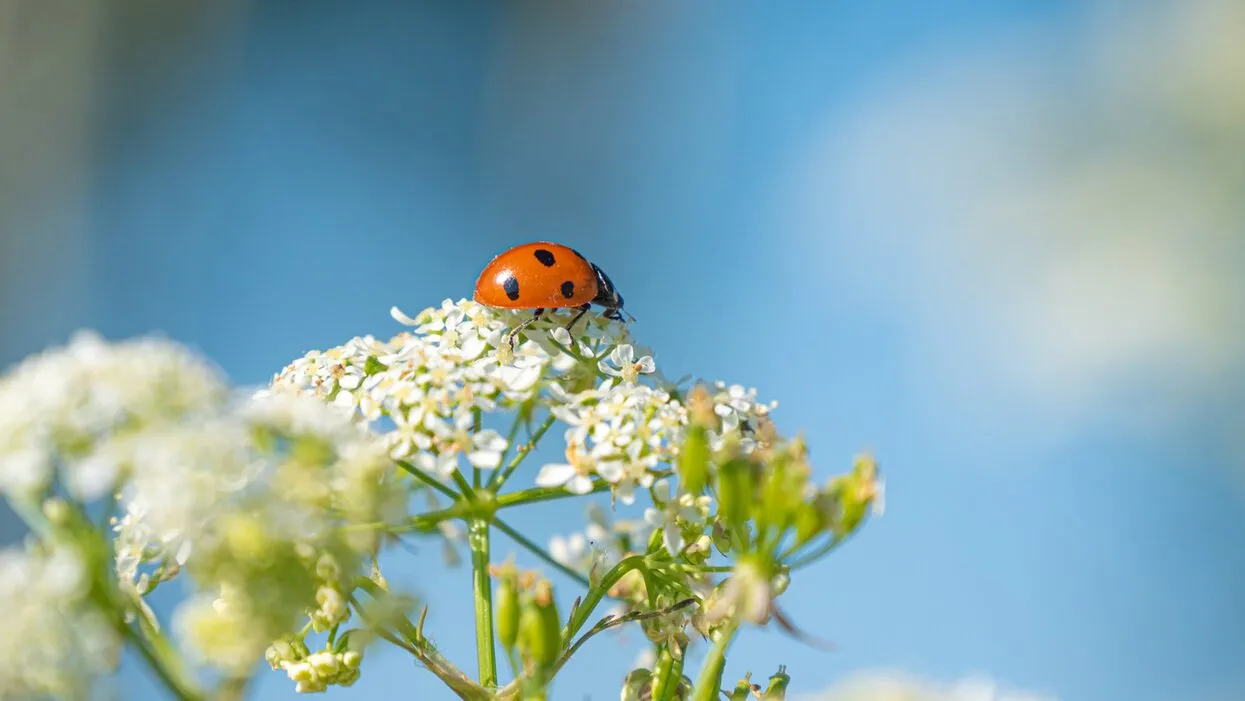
{"type": "Point", "coordinates": [62, 408]}
{"type": "Point", "coordinates": [623, 365]}
{"type": "Point", "coordinates": [683, 512]}
{"type": "Point", "coordinates": [54, 642]}
{"type": "Point", "coordinates": [574, 474]}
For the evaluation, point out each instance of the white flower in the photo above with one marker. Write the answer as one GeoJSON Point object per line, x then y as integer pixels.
{"type": "Point", "coordinates": [55, 643]}
{"type": "Point", "coordinates": [678, 512]}
{"type": "Point", "coordinates": [568, 551]}
{"type": "Point", "coordinates": [622, 364]}
{"type": "Point", "coordinates": [574, 473]}
{"type": "Point", "coordinates": [61, 408]}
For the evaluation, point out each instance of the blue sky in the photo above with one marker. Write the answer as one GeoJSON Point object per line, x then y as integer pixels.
{"type": "Point", "coordinates": [899, 220]}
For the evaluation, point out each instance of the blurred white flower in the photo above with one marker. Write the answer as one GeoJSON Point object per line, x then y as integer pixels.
{"type": "Point", "coordinates": [63, 407]}
{"type": "Point", "coordinates": [54, 643]}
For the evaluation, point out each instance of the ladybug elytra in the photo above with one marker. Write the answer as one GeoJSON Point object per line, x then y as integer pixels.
{"type": "Point", "coordinates": [542, 275]}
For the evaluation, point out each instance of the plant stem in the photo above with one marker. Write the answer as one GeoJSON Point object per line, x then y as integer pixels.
{"type": "Point", "coordinates": [478, 538]}
{"type": "Point", "coordinates": [413, 642]}
{"type": "Point", "coordinates": [667, 674]}
{"type": "Point", "coordinates": [155, 651]}
{"type": "Point", "coordinates": [535, 494]}
{"type": "Point", "coordinates": [427, 479]}
{"type": "Point", "coordinates": [595, 594]}
{"type": "Point", "coordinates": [468, 491]}
{"type": "Point", "coordinates": [500, 477]}
{"type": "Point", "coordinates": [710, 680]}
{"type": "Point", "coordinates": [475, 428]}
{"type": "Point", "coordinates": [540, 552]}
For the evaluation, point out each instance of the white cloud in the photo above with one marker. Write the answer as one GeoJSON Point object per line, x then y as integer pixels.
{"type": "Point", "coordinates": [1056, 222]}
{"type": "Point", "coordinates": [884, 685]}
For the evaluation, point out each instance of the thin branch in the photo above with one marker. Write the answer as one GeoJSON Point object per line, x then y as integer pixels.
{"type": "Point", "coordinates": [427, 479]}
{"type": "Point", "coordinates": [540, 552]}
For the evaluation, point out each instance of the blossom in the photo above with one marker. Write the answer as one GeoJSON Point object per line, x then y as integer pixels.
{"type": "Point", "coordinates": [59, 410]}
{"type": "Point", "coordinates": [682, 512]}
{"type": "Point", "coordinates": [574, 474]}
{"type": "Point", "coordinates": [622, 364]}
{"type": "Point", "coordinates": [54, 642]}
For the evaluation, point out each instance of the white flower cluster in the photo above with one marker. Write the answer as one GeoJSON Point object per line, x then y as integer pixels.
{"type": "Point", "coordinates": [252, 505]}
{"type": "Point", "coordinates": [313, 672]}
{"type": "Point", "coordinates": [431, 384]}
{"type": "Point", "coordinates": [435, 383]}
{"type": "Point", "coordinates": [61, 410]}
{"type": "Point", "coordinates": [53, 644]}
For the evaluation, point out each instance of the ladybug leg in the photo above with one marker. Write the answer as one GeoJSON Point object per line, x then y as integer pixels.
{"type": "Point", "coordinates": [582, 310]}
{"type": "Point", "coordinates": [524, 324]}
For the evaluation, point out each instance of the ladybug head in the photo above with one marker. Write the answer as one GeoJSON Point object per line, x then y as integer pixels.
{"type": "Point", "coordinates": [607, 294]}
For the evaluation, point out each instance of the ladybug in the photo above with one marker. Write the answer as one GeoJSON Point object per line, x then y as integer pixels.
{"type": "Point", "coordinates": [542, 275]}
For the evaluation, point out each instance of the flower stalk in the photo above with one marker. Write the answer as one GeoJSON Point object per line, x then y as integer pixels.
{"type": "Point", "coordinates": [482, 584]}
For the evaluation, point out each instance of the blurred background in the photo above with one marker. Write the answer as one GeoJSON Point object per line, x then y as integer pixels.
{"type": "Point", "coordinates": [1000, 243]}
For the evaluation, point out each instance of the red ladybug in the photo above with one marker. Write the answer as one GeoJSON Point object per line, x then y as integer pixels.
{"type": "Point", "coordinates": [543, 275]}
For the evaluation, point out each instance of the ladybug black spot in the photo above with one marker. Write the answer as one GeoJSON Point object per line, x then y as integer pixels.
{"type": "Point", "coordinates": [568, 289]}
{"type": "Point", "coordinates": [545, 257]}
{"type": "Point", "coordinates": [511, 286]}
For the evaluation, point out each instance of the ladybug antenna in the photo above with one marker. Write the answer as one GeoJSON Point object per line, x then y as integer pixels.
{"type": "Point", "coordinates": [629, 314]}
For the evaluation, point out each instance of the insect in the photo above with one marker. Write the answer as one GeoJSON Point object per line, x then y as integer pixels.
{"type": "Point", "coordinates": [542, 275]}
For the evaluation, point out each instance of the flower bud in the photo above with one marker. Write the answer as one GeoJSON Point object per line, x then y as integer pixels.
{"type": "Point", "coordinates": [325, 663]}
{"type": "Point", "coordinates": [347, 676]}
{"type": "Point", "coordinates": [743, 689]}
{"type": "Point", "coordinates": [507, 607]}
{"type": "Point", "coordinates": [300, 672]}
{"type": "Point", "coordinates": [637, 685]}
{"type": "Point", "coordinates": [327, 568]}
{"type": "Point", "coordinates": [694, 460]}
{"type": "Point", "coordinates": [700, 408]}
{"type": "Point", "coordinates": [856, 493]}
{"type": "Point", "coordinates": [352, 658]}
{"type": "Point", "coordinates": [57, 511]}
{"type": "Point", "coordinates": [540, 629]}
{"type": "Point", "coordinates": [777, 689]}
{"type": "Point", "coordinates": [735, 491]}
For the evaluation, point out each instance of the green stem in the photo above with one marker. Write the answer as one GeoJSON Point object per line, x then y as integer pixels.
{"type": "Point", "coordinates": [478, 538]}
{"type": "Point", "coordinates": [427, 479]}
{"type": "Point", "coordinates": [422, 522]}
{"type": "Point", "coordinates": [595, 594]}
{"type": "Point", "coordinates": [540, 552]}
{"type": "Point", "coordinates": [232, 689]}
{"type": "Point", "coordinates": [468, 491]}
{"type": "Point", "coordinates": [413, 642]}
{"type": "Point", "coordinates": [710, 681]}
{"type": "Point", "coordinates": [156, 651]}
{"type": "Point", "coordinates": [475, 428]}
{"type": "Point", "coordinates": [500, 477]}
{"type": "Point", "coordinates": [666, 674]}
{"type": "Point", "coordinates": [535, 494]}
{"type": "Point", "coordinates": [812, 556]}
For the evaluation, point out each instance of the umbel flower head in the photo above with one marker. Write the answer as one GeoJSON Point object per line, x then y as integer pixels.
{"type": "Point", "coordinates": [275, 506]}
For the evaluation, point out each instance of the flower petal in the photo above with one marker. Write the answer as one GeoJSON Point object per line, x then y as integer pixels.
{"type": "Point", "coordinates": [485, 459]}
{"type": "Point", "coordinates": [554, 475]}
{"type": "Point", "coordinates": [401, 318]}
{"type": "Point", "coordinates": [579, 484]}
